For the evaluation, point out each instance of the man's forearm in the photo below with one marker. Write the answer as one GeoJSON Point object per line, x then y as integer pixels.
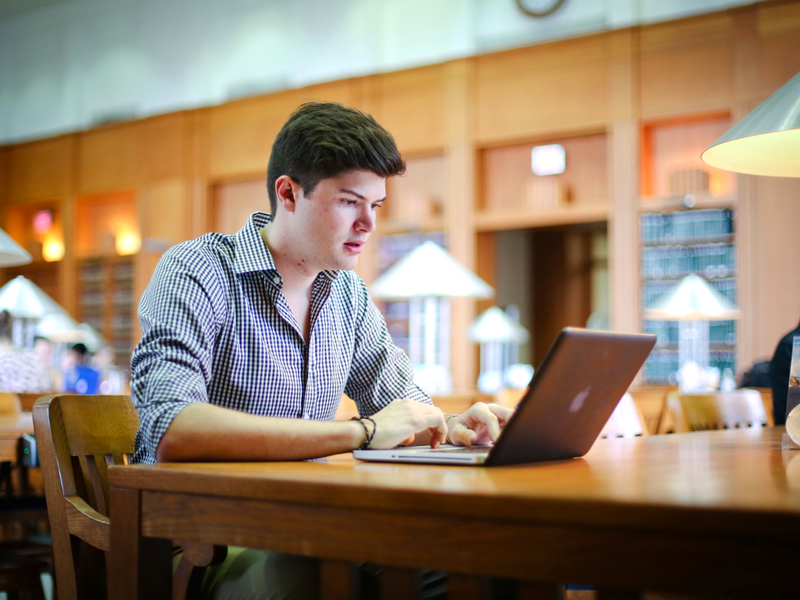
{"type": "Point", "coordinates": [204, 432]}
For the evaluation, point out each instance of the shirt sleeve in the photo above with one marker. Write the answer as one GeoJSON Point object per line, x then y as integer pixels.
{"type": "Point", "coordinates": [380, 372]}
{"type": "Point", "coordinates": [171, 366]}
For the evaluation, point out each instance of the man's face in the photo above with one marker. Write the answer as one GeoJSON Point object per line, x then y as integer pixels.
{"type": "Point", "coordinates": [336, 219]}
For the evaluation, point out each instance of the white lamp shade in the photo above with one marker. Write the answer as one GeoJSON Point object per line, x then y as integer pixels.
{"type": "Point", "coordinates": [25, 300]}
{"type": "Point", "coordinates": [766, 141]}
{"type": "Point", "coordinates": [429, 271]}
{"type": "Point", "coordinates": [493, 325]}
{"type": "Point", "coordinates": [59, 327]}
{"type": "Point", "coordinates": [692, 299]}
{"type": "Point", "coordinates": [11, 253]}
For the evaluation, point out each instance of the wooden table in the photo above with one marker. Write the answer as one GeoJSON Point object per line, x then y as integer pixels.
{"type": "Point", "coordinates": [705, 512]}
{"type": "Point", "coordinates": [11, 429]}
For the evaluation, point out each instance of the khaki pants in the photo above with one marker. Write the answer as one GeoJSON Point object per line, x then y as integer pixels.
{"type": "Point", "coordinates": [256, 574]}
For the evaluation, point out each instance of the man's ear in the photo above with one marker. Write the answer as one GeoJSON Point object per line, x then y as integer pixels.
{"type": "Point", "coordinates": [286, 192]}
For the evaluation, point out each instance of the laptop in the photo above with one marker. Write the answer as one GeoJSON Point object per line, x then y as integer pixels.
{"type": "Point", "coordinates": [571, 396]}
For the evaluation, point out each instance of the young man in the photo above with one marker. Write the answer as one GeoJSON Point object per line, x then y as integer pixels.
{"type": "Point", "coordinates": [250, 340]}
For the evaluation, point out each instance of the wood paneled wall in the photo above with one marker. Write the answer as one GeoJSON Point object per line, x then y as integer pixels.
{"type": "Point", "coordinates": [608, 84]}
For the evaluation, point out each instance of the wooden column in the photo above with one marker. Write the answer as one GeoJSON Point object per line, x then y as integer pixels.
{"type": "Point", "coordinates": [623, 152]}
{"type": "Point", "coordinates": [68, 267]}
{"type": "Point", "coordinates": [460, 208]}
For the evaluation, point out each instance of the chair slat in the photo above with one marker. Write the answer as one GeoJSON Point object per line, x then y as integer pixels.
{"type": "Point", "coordinates": [724, 410]}
{"type": "Point", "coordinates": [97, 469]}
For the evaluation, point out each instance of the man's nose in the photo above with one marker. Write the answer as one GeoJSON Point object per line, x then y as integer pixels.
{"type": "Point", "coordinates": [366, 220]}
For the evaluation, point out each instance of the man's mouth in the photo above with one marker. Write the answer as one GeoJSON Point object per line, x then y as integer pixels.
{"type": "Point", "coordinates": [354, 246]}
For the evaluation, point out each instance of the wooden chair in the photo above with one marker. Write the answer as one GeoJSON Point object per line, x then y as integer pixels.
{"type": "Point", "coordinates": [78, 438]}
{"type": "Point", "coordinates": [22, 559]}
{"type": "Point", "coordinates": [651, 401]}
{"type": "Point", "coordinates": [719, 410]}
{"type": "Point", "coordinates": [625, 421]}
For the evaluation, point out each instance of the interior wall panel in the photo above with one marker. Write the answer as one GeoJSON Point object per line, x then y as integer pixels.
{"type": "Point", "coordinates": [109, 158]}
{"type": "Point", "coordinates": [552, 88]}
{"type": "Point", "coordinates": [687, 66]}
{"type": "Point", "coordinates": [39, 169]}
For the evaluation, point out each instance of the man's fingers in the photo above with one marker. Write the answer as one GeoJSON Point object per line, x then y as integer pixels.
{"type": "Point", "coordinates": [486, 416]}
{"type": "Point", "coordinates": [503, 413]}
{"type": "Point", "coordinates": [438, 429]}
{"type": "Point", "coordinates": [437, 437]}
{"type": "Point", "coordinates": [461, 435]}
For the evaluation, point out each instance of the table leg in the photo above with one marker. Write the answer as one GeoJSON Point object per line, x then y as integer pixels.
{"type": "Point", "coordinates": [529, 590]}
{"type": "Point", "coordinates": [138, 568]}
{"type": "Point", "coordinates": [464, 587]}
{"type": "Point", "coordinates": [336, 579]}
{"type": "Point", "coordinates": [399, 584]}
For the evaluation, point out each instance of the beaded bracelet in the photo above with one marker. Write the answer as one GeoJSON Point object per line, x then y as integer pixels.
{"type": "Point", "coordinates": [369, 435]}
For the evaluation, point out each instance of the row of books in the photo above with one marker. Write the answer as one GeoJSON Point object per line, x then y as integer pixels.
{"type": "Point", "coordinates": [672, 262]}
{"type": "Point", "coordinates": [662, 366]}
{"type": "Point", "coordinates": [719, 332]}
{"type": "Point", "coordinates": [686, 226]}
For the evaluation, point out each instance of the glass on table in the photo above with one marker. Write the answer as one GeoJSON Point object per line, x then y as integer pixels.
{"type": "Point", "coordinates": [791, 439]}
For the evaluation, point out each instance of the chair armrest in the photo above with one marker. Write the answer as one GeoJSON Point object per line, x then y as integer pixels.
{"type": "Point", "coordinates": [87, 524]}
{"type": "Point", "coordinates": [188, 575]}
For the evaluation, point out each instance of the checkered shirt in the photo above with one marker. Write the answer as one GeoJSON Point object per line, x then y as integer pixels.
{"type": "Point", "coordinates": [216, 328]}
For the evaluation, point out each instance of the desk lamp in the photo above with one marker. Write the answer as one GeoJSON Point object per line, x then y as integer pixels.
{"type": "Point", "coordinates": [693, 303]}
{"type": "Point", "coordinates": [11, 253]}
{"type": "Point", "coordinates": [766, 141]}
{"type": "Point", "coordinates": [499, 336]}
{"type": "Point", "coordinates": [428, 277]}
{"type": "Point", "coordinates": [27, 303]}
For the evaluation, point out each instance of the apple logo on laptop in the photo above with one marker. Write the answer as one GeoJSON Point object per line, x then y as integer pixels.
{"type": "Point", "coordinates": [577, 402]}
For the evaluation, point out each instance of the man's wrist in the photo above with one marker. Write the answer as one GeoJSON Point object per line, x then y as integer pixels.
{"type": "Point", "coordinates": [447, 421]}
{"type": "Point", "coordinates": [368, 427]}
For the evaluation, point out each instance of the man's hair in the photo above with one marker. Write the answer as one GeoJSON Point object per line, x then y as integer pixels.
{"type": "Point", "coordinates": [80, 348]}
{"type": "Point", "coordinates": [322, 140]}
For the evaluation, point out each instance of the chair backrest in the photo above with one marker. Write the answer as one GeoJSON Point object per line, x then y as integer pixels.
{"type": "Point", "coordinates": [723, 410]}
{"type": "Point", "coordinates": [78, 437]}
{"type": "Point", "coordinates": [625, 421]}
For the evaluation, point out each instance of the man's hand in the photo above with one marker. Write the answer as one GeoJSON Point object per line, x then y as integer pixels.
{"type": "Point", "coordinates": [399, 422]}
{"type": "Point", "coordinates": [481, 424]}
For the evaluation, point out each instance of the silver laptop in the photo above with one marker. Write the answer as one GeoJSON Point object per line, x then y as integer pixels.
{"type": "Point", "coordinates": [571, 396]}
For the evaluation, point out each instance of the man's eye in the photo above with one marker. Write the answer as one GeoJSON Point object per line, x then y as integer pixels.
{"type": "Point", "coordinates": [377, 205]}
{"type": "Point", "coordinates": [350, 202]}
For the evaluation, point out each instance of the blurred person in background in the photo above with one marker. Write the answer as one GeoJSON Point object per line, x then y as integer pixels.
{"type": "Point", "coordinates": [79, 376]}
{"type": "Point", "coordinates": [43, 349]}
{"type": "Point", "coordinates": [21, 371]}
{"type": "Point", "coordinates": [112, 378]}
{"type": "Point", "coordinates": [779, 375]}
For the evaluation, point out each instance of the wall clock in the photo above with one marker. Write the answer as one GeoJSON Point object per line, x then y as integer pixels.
{"type": "Point", "coordinates": [539, 8]}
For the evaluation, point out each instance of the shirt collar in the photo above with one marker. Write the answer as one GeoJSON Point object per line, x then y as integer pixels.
{"type": "Point", "coordinates": [252, 253]}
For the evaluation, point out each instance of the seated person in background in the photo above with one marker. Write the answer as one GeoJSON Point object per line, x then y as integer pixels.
{"type": "Point", "coordinates": [79, 376]}
{"type": "Point", "coordinates": [112, 378]}
{"type": "Point", "coordinates": [250, 340]}
{"type": "Point", "coordinates": [21, 371]}
{"type": "Point", "coordinates": [43, 348]}
{"type": "Point", "coordinates": [779, 375]}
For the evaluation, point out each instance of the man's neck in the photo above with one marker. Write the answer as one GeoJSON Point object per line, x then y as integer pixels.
{"type": "Point", "coordinates": [296, 279]}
